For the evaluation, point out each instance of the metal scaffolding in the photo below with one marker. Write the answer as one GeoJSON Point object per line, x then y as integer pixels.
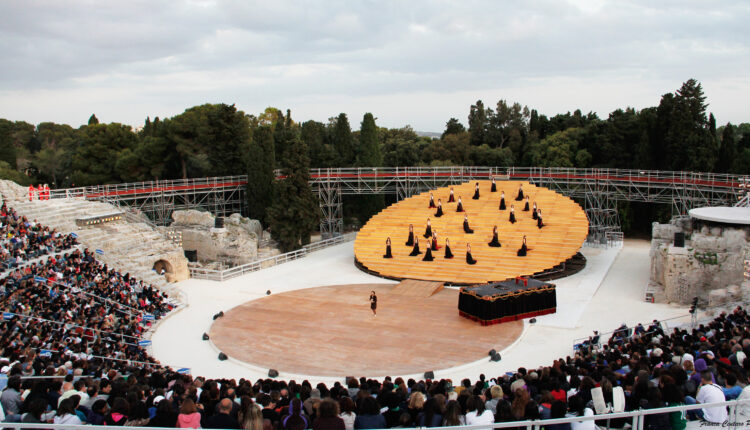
{"type": "Point", "coordinates": [598, 189]}
{"type": "Point", "coordinates": [222, 196]}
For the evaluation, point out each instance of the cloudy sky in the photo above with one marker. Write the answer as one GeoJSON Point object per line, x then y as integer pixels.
{"type": "Point", "coordinates": [407, 62]}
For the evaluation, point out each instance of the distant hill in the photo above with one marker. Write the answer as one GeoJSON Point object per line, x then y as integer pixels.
{"type": "Point", "coordinates": [431, 134]}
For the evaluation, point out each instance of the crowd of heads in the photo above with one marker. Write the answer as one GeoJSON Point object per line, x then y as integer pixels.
{"type": "Point", "coordinates": [22, 240]}
{"type": "Point", "coordinates": [77, 322]}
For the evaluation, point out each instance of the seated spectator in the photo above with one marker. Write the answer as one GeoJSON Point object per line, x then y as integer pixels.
{"type": "Point", "coordinates": [369, 416]}
{"type": "Point", "coordinates": [328, 419]}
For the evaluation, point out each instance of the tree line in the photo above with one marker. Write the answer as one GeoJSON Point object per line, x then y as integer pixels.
{"type": "Point", "coordinates": [218, 139]}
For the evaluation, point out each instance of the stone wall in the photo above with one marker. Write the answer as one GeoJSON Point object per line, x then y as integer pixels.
{"type": "Point", "coordinates": [235, 244]}
{"type": "Point", "coordinates": [711, 261]}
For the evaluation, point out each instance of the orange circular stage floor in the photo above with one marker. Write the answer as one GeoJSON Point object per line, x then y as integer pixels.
{"type": "Point", "coordinates": [330, 331]}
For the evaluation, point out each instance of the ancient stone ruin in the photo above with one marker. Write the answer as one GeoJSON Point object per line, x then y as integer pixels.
{"type": "Point", "coordinates": [709, 266]}
{"type": "Point", "coordinates": [233, 244]}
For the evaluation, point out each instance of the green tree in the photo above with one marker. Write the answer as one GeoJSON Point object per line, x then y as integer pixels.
{"type": "Point", "coordinates": [453, 126]}
{"type": "Point", "coordinates": [314, 134]}
{"type": "Point", "coordinates": [93, 120]}
{"type": "Point", "coordinates": [294, 214]}
{"type": "Point", "coordinates": [727, 150]}
{"type": "Point", "coordinates": [477, 123]}
{"type": "Point", "coordinates": [369, 145]}
{"type": "Point", "coordinates": [343, 142]}
{"type": "Point", "coordinates": [260, 161]}
{"type": "Point", "coordinates": [96, 149]}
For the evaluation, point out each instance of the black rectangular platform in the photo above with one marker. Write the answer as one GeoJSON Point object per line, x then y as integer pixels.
{"type": "Point", "coordinates": [508, 300]}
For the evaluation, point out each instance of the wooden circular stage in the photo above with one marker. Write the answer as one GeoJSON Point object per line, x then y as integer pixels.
{"type": "Point", "coordinates": [565, 229]}
{"type": "Point", "coordinates": [330, 331]}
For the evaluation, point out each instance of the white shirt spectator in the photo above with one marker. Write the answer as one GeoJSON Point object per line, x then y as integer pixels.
{"type": "Point", "coordinates": [712, 393]}
{"type": "Point", "coordinates": [473, 419]}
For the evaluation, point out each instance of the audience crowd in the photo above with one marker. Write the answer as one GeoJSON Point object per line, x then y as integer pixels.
{"type": "Point", "coordinates": [22, 240]}
{"type": "Point", "coordinates": [69, 354]}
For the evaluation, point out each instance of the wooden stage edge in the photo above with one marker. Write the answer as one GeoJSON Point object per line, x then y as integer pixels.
{"type": "Point", "coordinates": [330, 331]}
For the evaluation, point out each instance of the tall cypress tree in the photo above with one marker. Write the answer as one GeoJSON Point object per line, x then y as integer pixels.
{"type": "Point", "coordinates": [294, 214]}
{"type": "Point", "coordinates": [369, 156]}
{"type": "Point", "coordinates": [477, 123]}
{"type": "Point", "coordinates": [727, 150]}
{"type": "Point", "coordinates": [260, 161]}
{"type": "Point", "coordinates": [343, 142]}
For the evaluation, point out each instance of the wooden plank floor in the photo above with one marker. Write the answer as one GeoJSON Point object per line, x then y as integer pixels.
{"type": "Point", "coordinates": [565, 230]}
{"type": "Point", "coordinates": [330, 331]}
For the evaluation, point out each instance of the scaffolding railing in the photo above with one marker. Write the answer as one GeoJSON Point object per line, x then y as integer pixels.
{"type": "Point", "coordinates": [221, 195]}
{"type": "Point", "coordinates": [233, 272]}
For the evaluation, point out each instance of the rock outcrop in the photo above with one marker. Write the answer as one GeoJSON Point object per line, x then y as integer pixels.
{"type": "Point", "coordinates": [234, 244]}
{"type": "Point", "coordinates": [708, 267]}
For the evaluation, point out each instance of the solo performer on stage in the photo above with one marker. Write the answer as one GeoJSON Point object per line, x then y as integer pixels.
{"type": "Point", "coordinates": [374, 303]}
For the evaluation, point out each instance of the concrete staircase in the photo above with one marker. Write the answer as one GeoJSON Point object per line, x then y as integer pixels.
{"type": "Point", "coordinates": [131, 247]}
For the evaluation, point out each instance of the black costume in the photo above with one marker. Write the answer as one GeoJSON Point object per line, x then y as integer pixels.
{"type": "Point", "coordinates": [512, 217]}
{"type": "Point", "coordinates": [526, 207]}
{"type": "Point", "coordinates": [373, 301]}
{"type": "Point", "coordinates": [466, 227]}
{"type": "Point", "coordinates": [460, 207]}
{"type": "Point", "coordinates": [493, 188]}
{"type": "Point", "coordinates": [539, 222]}
{"type": "Point", "coordinates": [439, 212]}
{"type": "Point", "coordinates": [434, 245]}
{"type": "Point", "coordinates": [432, 202]}
{"type": "Point", "coordinates": [534, 214]}
{"type": "Point", "coordinates": [410, 241]}
{"type": "Point", "coordinates": [476, 193]}
{"type": "Point", "coordinates": [427, 255]}
{"type": "Point", "coordinates": [495, 242]}
{"type": "Point", "coordinates": [428, 231]}
{"type": "Point", "coordinates": [388, 251]}
{"type": "Point", "coordinates": [415, 250]}
{"type": "Point", "coordinates": [519, 197]}
{"type": "Point", "coordinates": [448, 253]}
{"type": "Point", "coordinates": [522, 252]}
{"type": "Point", "coordinates": [502, 203]}
{"type": "Point", "coordinates": [469, 258]}
{"type": "Point", "coordinates": [451, 199]}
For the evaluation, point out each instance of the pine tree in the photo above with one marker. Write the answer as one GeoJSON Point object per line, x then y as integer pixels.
{"type": "Point", "coordinates": [260, 161]}
{"type": "Point", "coordinates": [477, 123]}
{"type": "Point", "coordinates": [93, 120]}
{"type": "Point", "coordinates": [294, 214]}
{"type": "Point", "coordinates": [369, 146]}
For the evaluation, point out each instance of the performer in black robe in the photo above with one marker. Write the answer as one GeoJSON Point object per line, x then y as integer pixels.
{"type": "Point", "coordinates": [451, 199]}
{"type": "Point", "coordinates": [476, 192]}
{"type": "Point", "coordinates": [428, 230]}
{"type": "Point", "coordinates": [434, 241]}
{"type": "Point", "coordinates": [534, 213]}
{"type": "Point", "coordinates": [428, 255]}
{"type": "Point", "coordinates": [432, 201]}
{"type": "Point", "coordinates": [410, 241]}
{"type": "Point", "coordinates": [388, 248]}
{"type": "Point", "coordinates": [522, 252]}
{"type": "Point", "coordinates": [539, 222]}
{"type": "Point", "coordinates": [448, 253]}
{"type": "Point", "coordinates": [439, 212]}
{"type": "Point", "coordinates": [512, 217]}
{"type": "Point", "coordinates": [469, 258]}
{"type": "Point", "coordinates": [460, 206]}
{"type": "Point", "coordinates": [415, 251]}
{"type": "Point", "coordinates": [467, 229]}
{"type": "Point", "coordinates": [519, 197]}
{"type": "Point", "coordinates": [493, 188]}
{"type": "Point", "coordinates": [526, 204]}
{"type": "Point", "coordinates": [495, 243]}
{"type": "Point", "coordinates": [502, 200]}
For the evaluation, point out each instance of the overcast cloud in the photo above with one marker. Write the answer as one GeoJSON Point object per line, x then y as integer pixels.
{"type": "Point", "coordinates": [407, 62]}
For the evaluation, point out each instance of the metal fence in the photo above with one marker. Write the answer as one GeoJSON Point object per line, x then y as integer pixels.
{"type": "Point", "coordinates": [233, 272]}
{"type": "Point", "coordinates": [737, 410]}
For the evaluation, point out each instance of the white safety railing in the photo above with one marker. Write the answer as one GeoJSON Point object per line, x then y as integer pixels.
{"type": "Point", "coordinates": [736, 418]}
{"type": "Point", "coordinates": [233, 272]}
